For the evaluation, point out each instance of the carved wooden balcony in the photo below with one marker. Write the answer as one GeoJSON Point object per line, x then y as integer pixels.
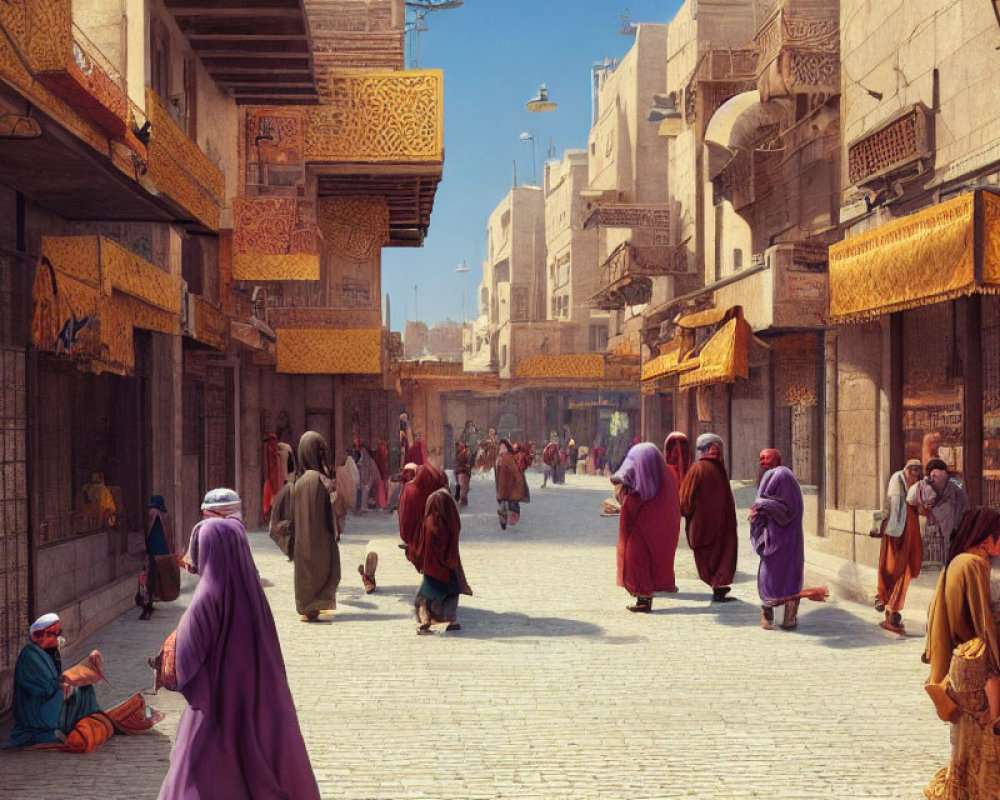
{"type": "Point", "coordinates": [61, 58]}
{"type": "Point", "coordinates": [751, 174]}
{"type": "Point", "coordinates": [626, 275]}
{"type": "Point", "coordinates": [799, 47]}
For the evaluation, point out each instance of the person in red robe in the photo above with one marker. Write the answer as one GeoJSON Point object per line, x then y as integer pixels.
{"type": "Point", "coordinates": [709, 511]}
{"type": "Point", "coordinates": [412, 501]}
{"type": "Point", "coordinates": [417, 452]}
{"type": "Point", "coordinates": [648, 526]}
{"type": "Point", "coordinates": [274, 474]}
{"type": "Point", "coordinates": [677, 451]}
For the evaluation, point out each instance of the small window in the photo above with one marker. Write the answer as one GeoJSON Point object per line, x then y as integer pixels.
{"type": "Point", "coordinates": [737, 258]}
{"type": "Point", "coordinates": [598, 338]}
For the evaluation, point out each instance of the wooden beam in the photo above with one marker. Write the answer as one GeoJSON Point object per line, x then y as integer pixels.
{"type": "Point", "coordinates": [208, 6]}
{"type": "Point", "coordinates": [244, 48]}
{"type": "Point", "coordinates": [240, 65]}
{"type": "Point", "coordinates": [225, 14]}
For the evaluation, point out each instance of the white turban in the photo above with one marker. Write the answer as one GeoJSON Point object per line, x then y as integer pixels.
{"type": "Point", "coordinates": [43, 622]}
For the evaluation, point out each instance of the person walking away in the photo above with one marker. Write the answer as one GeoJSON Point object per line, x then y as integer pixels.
{"type": "Point", "coordinates": [571, 455]}
{"type": "Point", "coordinates": [239, 736]}
{"type": "Point", "coordinates": [463, 471]}
{"type": "Point", "coordinates": [550, 457]}
{"type": "Point", "coordinates": [964, 656]}
{"type": "Point", "coordinates": [510, 483]}
{"type": "Point", "coordinates": [942, 502]}
{"type": "Point", "coordinates": [677, 452]}
{"type": "Point", "coordinates": [317, 556]}
{"type": "Point", "coordinates": [648, 526]}
{"type": "Point", "coordinates": [901, 551]}
{"type": "Point", "coordinates": [709, 511]}
{"type": "Point", "coordinates": [436, 557]}
{"type": "Point", "coordinates": [159, 541]}
{"type": "Point", "coordinates": [412, 502]}
{"type": "Point", "coordinates": [777, 537]}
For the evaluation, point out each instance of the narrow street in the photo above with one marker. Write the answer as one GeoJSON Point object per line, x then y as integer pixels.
{"type": "Point", "coordinates": [551, 689]}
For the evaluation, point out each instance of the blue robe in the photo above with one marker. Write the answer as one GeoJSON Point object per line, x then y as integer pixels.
{"type": "Point", "coordinates": [39, 708]}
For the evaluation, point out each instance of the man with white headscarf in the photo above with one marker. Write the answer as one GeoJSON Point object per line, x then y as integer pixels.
{"type": "Point", "coordinates": [46, 706]}
{"type": "Point", "coordinates": [709, 511]}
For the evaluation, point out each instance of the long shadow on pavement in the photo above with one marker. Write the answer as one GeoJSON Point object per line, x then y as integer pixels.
{"type": "Point", "coordinates": [480, 623]}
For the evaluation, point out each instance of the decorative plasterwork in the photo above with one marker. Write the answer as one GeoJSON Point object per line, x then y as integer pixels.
{"type": "Point", "coordinates": [574, 365]}
{"type": "Point", "coordinates": [355, 228]}
{"type": "Point", "coordinates": [329, 351]}
{"type": "Point", "coordinates": [271, 242]}
{"type": "Point", "coordinates": [903, 144]}
{"type": "Point", "coordinates": [374, 117]}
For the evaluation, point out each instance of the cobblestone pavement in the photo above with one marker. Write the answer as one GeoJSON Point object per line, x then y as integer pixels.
{"type": "Point", "coordinates": [551, 689]}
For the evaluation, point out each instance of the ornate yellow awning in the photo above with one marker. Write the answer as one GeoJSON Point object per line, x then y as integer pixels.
{"type": "Point", "coordinates": [329, 351]}
{"type": "Point", "coordinates": [724, 358]}
{"type": "Point", "coordinates": [700, 319]}
{"type": "Point", "coordinates": [668, 363]}
{"type": "Point", "coordinates": [917, 260]}
{"type": "Point", "coordinates": [574, 365]}
{"type": "Point", "coordinates": [90, 293]}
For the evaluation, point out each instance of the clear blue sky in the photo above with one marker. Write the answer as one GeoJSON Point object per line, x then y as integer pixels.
{"type": "Point", "coordinates": [494, 54]}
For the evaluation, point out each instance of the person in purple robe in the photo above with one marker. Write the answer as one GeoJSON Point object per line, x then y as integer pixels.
{"type": "Point", "coordinates": [776, 535]}
{"type": "Point", "coordinates": [239, 737]}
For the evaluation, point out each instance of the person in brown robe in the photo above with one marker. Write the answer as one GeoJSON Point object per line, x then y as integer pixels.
{"type": "Point", "coordinates": [709, 511]}
{"type": "Point", "coordinates": [963, 651]}
{"type": "Point", "coordinates": [436, 557]}
{"type": "Point", "coordinates": [317, 556]}
{"type": "Point", "coordinates": [511, 485]}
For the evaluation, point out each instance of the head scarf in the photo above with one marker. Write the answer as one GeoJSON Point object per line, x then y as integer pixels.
{"type": "Point", "coordinates": [222, 503]}
{"type": "Point", "coordinates": [677, 451]}
{"type": "Point", "coordinates": [706, 440]}
{"type": "Point", "coordinates": [976, 525]}
{"type": "Point", "coordinates": [312, 450]}
{"type": "Point", "coordinates": [435, 549]}
{"type": "Point", "coordinates": [157, 502]}
{"type": "Point", "coordinates": [642, 471]}
{"type": "Point", "coordinates": [413, 499]}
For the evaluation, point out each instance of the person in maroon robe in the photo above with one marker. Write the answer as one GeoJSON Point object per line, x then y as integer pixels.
{"type": "Point", "coordinates": [412, 501]}
{"type": "Point", "coordinates": [648, 526]}
{"type": "Point", "coordinates": [239, 736]}
{"type": "Point", "coordinates": [436, 557]}
{"type": "Point", "coordinates": [677, 452]}
{"type": "Point", "coordinates": [710, 513]}
{"type": "Point", "coordinates": [417, 452]}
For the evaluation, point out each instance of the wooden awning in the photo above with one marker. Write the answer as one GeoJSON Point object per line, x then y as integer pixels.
{"type": "Point", "coordinates": [723, 358]}
{"type": "Point", "coordinates": [88, 296]}
{"type": "Point", "coordinates": [918, 260]}
{"type": "Point", "coordinates": [670, 362]}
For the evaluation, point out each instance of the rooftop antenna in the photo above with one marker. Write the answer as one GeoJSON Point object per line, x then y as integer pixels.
{"type": "Point", "coordinates": [627, 27]}
{"type": "Point", "coordinates": [417, 11]}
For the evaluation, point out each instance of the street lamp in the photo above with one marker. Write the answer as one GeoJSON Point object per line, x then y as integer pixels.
{"type": "Point", "coordinates": [462, 269]}
{"type": "Point", "coordinates": [540, 102]}
{"type": "Point", "coordinates": [527, 136]}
